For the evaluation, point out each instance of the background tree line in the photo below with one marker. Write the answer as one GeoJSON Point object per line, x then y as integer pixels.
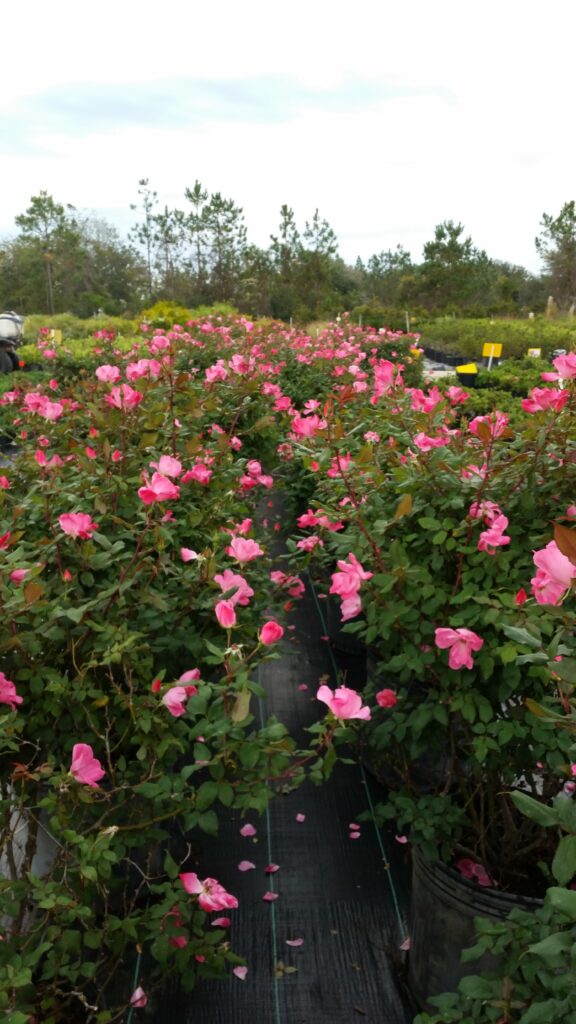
{"type": "Point", "coordinates": [63, 261]}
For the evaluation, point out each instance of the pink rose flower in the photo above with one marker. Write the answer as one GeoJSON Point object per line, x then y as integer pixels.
{"type": "Point", "coordinates": [175, 700]}
{"type": "Point", "coordinates": [566, 365]}
{"type": "Point", "coordinates": [17, 575]}
{"type": "Point", "coordinates": [124, 397]}
{"type": "Point", "coordinates": [244, 550]}
{"type": "Point", "coordinates": [242, 591]}
{"type": "Point", "coordinates": [8, 693]}
{"type": "Point", "coordinates": [211, 895]}
{"type": "Point", "coordinates": [270, 633]}
{"type": "Point", "coordinates": [199, 473]}
{"type": "Point", "coordinates": [225, 614]}
{"type": "Point", "coordinates": [461, 643]}
{"type": "Point", "coordinates": [108, 374]}
{"type": "Point", "coordinates": [77, 524]}
{"type": "Point", "coordinates": [85, 767]}
{"type": "Point", "coordinates": [386, 698]}
{"type": "Point", "coordinates": [191, 675]}
{"type": "Point", "coordinates": [168, 466]}
{"type": "Point", "coordinates": [159, 488]}
{"type": "Point", "coordinates": [542, 399]}
{"type": "Point", "coordinates": [344, 703]}
{"type": "Point", "coordinates": [554, 576]}
{"type": "Point", "coordinates": [494, 536]}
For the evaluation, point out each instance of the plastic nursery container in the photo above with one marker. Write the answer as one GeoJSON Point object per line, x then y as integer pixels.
{"type": "Point", "coordinates": [444, 905]}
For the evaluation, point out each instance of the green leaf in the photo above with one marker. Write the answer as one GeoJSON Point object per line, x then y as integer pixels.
{"type": "Point", "coordinates": [544, 1013]}
{"type": "Point", "coordinates": [507, 654]}
{"type": "Point", "coordinates": [206, 795]}
{"type": "Point", "coordinates": [564, 863]}
{"type": "Point", "coordinates": [542, 814]}
{"type": "Point", "coordinates": [329, 762]}
{"type": "Point", "coordinates": [427, 523]}
{"type": "Point", "coordinates": [208, 822]}
{"type": "Point", "coordinates": [75, 614]}
{"type": "Point", "coordinates": [170, 866]}
{"type": "Point", "coordinates": [249, 754]}
{"type": "Point", "coordinates": [564, 900]}
{"type": "Point", "coordinates": [476, 987]}
{"type": "Point", "coordinates": [225, 794]}
{"type": "Point", "coordinates": [522, 636]}
{"type": "Point", "coordinates": [552, 945]}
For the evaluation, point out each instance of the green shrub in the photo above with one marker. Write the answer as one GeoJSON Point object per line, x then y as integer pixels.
{"type": "Point", "coordinates": [466, 337]}
{"type": "Point", "coordinates": [74, 327]}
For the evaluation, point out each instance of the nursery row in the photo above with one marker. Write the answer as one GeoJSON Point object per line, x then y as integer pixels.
{"type": "Point", "coordinates": [141, 591]}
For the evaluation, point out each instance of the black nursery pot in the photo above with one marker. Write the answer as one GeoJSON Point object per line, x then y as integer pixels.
{"type": "Point", "coordinates": [444, 905]}
{"type": "Point", "coordinates": [468, 380]}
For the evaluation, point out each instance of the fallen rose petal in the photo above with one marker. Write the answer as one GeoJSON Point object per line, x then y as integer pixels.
{"type": "Point", "coordinates": [300, 818]}
{"type": "Point", "coordinates": [248, 830]}
{"type": "Point", "coordinates": [303, 686]}
{"type": "Point", "coordinates": [355, 835]}
{"type": "Point", "coordinates": [270, 897]}
{"type": "Point", "coordinates": [271, 869]}
{"type": "Point", "coordinates": [221, 922]}
{"type": "Point", "coordinates": [401, 839]}
{"type": "Point", "coordinates": [355, 827]}
{"type": "Point", "coordinates": [246, 865]}
{"type": "Point", "coordinates": [294, 942]}
{"type": "Point", "coordinates": [240, 972]}
{"type": "Point", "coordinates": [405, 945]}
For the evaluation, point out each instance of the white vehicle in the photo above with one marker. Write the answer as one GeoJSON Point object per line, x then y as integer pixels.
{"type": "Point", "coordinates": [11, 330]}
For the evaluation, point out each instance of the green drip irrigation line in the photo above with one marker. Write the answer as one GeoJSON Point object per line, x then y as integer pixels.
{"type": "Point", "coordinates": [135, 985]}
{"type": "Point", "coordinates": [277, 1010]}
{"type": "Point", "coordinates": [392, 887]}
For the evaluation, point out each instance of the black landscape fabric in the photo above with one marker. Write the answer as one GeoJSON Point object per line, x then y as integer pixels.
{"type": "Point", "coordinates": [345, 899]}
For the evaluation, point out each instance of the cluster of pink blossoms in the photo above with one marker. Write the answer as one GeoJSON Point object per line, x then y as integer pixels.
{"type": "Point", "coordinates": [42, 406]}
{"type": "Point", "coordinates": [493, 537]}
{"type": "Point", "coordinates": [346, 583]}
{"type": "Point", "coordinates": [254, 476]}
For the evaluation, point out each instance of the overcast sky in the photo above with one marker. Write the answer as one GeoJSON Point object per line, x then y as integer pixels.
{"type": "Point", "coordinates": [388, 116]}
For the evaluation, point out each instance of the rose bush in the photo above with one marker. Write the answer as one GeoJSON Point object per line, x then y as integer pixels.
{"type": "Point", "coordinates": [131, 517]}
{"type": "Point", "coordinates": [444, 514]}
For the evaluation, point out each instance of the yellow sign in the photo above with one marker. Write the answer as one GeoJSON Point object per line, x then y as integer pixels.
{"type": "Point", "coordinates": [534, 353]}
{"type": "Point", "coordinates": [467, 368]}
{"type": "Point", "coordinates": [56, 335]}
{"type": "Point", "coordinates": [492, 350]}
